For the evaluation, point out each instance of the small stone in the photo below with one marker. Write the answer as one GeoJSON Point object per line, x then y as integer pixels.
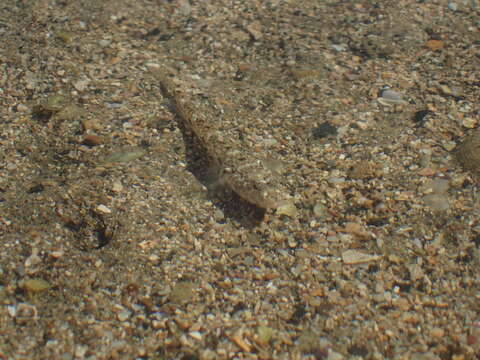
{"type": "Point", "coordinates": [437, 333]}
{"type": "Point", "coordinates": [22, 108]}
{"type": "Point", "coordinates": [36, 285]}
{"type": "Point", "coordinates": [70, 112]}
{"type": "Point", "coordinates": [440, 186]}
{"type": "Point", "coordinates": [92, 140]}
{"type": "Point", "coordinates": [81, 85]}
{"type": "Point", "coordinates": [445, 89]}
{"type": "Point", "coordinates": [308, 341]}
{"type": "Point", "coordinates": [53, 104]}
{"type": "Point", "coordinates": [434, 44]}
{"type": "Point", "coordinates": [357, 230]}
{"type": "Point", "coordinates": [218, 215]}
{"type": "Point", "coordinates": [453, 6]}
{"type": "Point", "coordinates": [181, 293]}
{"type": "Point", "coordinates": [56, 254]}
{"type": "Point", "coordinates": [287, 208]}
{"type": "Point", "coordinates": [323, 130]}
{"type": "Point", "coordinates": [184, 7]}
{"type": "Point", "coordinates": [33, 259]}
{"type": "Point", "coordinates": [390, 97]}
{"type": "Point", "coordinates": [436, 186]}
{"type": "Point", "coordinates": [336, 180]}
{"type": "Point", "coordinates": [153, 65]}
{"type": "Point", "coordinates": [274, 165]}
{"type": "Point", "coordinates": [416, 272]}
{"type": "Point", "coordinates": [319, 210]}
{"type": "Point", "coordinates": [438, 202]}
{"type": "Point", "coordinates": [470, 123]}
{"type": "Point", "coordinates": [80, 351]}
{"type": "Point", "coordinates": [352, 257]}
{"type": "Point", "coordinates": [402, 303]}
{"type": "Point", "coordinates": [103, 209]}
{"type": "Point", "coordinates": [65, 36]}
{"type": "Point", "coordinates": [117, 187]}
{"type": "Point", "coordinates": [333, 355]}
{"type": "Point", "coordinates": [338, 48]}
{"type": "Point", "coordinates": [410, 317]}
{"type": "Point", "coordinates": [195, 335]}
{"type": "Point", "coordinates": [255, 30]}
{"type": "Point", "coordinates": [104, 42]}
{"type": "Point", "coordinates": [91, 125]}
{"type": "Point", "coordinates": [123, 315]}
{"type": "Point", "coordinates": [420, 116]}
{"type": "Point", "coordinates": [362, 170]}
{"type": "Point", "coordinates": [125, 156]}
{"type": "Point", "coordinates": [449, 145]}
{"type": "Point", "coordinates": [264, 334]}
{"type": "Point", "coordinates": [12, 310]}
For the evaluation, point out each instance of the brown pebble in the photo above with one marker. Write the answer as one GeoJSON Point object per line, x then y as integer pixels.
{"type": "Point", "coordinates": [35, 285]}
{"type": "Point", "coordinates": [435, 45]}
{"type": "Point", "coordinates": [92, 140]}
{"type": "Point", "coordinates": [91, 125]}
{"type": "Point", "coordinates": [437, 332]}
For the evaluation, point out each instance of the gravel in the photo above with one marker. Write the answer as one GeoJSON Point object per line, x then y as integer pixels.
{"type": "Point", "coordinates": [121, 238]}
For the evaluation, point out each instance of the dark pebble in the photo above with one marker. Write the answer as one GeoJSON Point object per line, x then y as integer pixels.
{"type": "Point", "coordinates": [419, 116]}
{"type": "Point", "coordinates": [323, 130]}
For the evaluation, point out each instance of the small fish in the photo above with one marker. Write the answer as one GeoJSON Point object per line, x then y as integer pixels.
{"type": "Point", "coordinates": [246, 175]}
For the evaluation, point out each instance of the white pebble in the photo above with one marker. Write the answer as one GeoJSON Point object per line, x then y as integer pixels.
{"type": "Point", "coordinates": [103, 209]}
{"type": "Point", "coordinates": [195, 335]}
{"type": "Point", "coordinates": [390, 97]}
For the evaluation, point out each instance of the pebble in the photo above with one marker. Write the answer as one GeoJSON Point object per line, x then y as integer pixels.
{"type": "Point", "coordinates": [274, 165]}
{"type": "Point", "coordinates": [470, 123]}
{"type": "Point", "coordinates": [92, 140]}
{"type": "Point", "coordinates": [195, 335]}
{"type": "Point", "coordinates": [35, 285]}
{"type": "Point", "coordinates": [352, 257]}
{"type": "Point", "coordinates": [123, 315]}
{"type": "Point", "coordinates": [333, 355]}
{"type": "Point", "coordinates": [323, 130]}
{"type": "Point", "coordinates": [338, 48]}
{"type": "Point", "coordinates": [103, 209]}
{"type": "Point", "coordinates": [117, 186]}
{"type": "Point", "coordinates": [22, 108]}
{"type": "Point", "coordinates": [12, 310]}
{"type": "Point", "coordinates": [81, 85]}
{"type": "Point", "coordinates": [390, 97]}
{"type": "Point", "coordinates": [125, 156]}
{"type": "Point", "coordinates": [336, 180]}
{"type": "Point", "coordinates": [319, 210]}
{"type": "Point", "coordinates": [218, 215]}
{"type": "Point", "coordinates": [437, 202]}
{"type": "Point", "coordinates": [104, 42]}
{"type": "Point", "coordinates": [91, 125]}
{"type": "Point", "coordinates": [80, 351]}
{"type": "Point", "coordinates": [420, 116]}
{"type": "Point", "coordinates": [288, 208]}
{"type": "Point", "coordinates": [453, 6]}
{"type": "Point", "coordinates": [435, 45]}
{"type": "Point", "coordinates": [437, 332]}
{"type": "Point", "coordinates": [436, 186]}
{"type": "Point", "coordinates": [184, 7]}
{"type": "Point", "coordinates": [55, 103]}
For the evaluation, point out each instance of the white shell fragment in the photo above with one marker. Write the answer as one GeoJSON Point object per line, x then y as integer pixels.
{"type": "Point", "coordinates": [390, 97]}
{"type": "Point", "coordinates": [103, 209]}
